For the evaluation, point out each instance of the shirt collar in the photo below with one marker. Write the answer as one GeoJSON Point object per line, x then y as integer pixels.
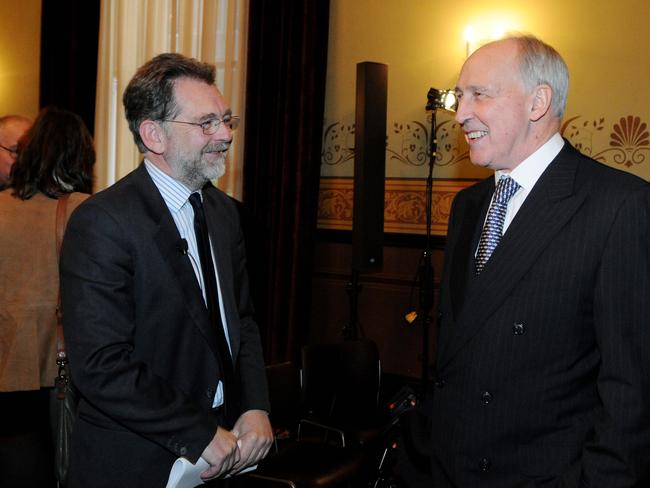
{"type": "Point", "coordinates": [530, 169]}
{"type": "Point", "coordinates": [174, 193]}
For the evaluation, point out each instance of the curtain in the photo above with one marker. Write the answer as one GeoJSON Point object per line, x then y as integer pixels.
{"type": "Point", "coordinates": [285, 93]}
{"type": "Point", "coordinates": [134, 31]}
{"type": "Point", "coordinates": [69, 56]}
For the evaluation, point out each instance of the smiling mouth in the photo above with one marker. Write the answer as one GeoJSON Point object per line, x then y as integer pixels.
{"type": "Point", "coordinates": [218, 148]}
{"type": "Point", "coordinates": [475, 135]}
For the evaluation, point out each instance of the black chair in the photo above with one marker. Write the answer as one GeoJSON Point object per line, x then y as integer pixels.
{"type": "Point", "coordinates": [340, 387]}
{"type": "Point", "coordinates": [300, 461]}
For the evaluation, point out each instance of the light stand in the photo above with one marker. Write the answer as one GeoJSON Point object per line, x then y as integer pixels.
{"type": "Point", "coordinates": [445, 99]}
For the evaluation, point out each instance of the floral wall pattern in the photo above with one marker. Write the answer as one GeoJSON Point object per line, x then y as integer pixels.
{"type": "Point", "coordinates": [623, 143]}
{"type": "Point", "coordinates": [628, 144]}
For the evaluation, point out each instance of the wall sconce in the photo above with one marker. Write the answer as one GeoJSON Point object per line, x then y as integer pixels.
{"type": "Point", "coordinates": [474, 39]}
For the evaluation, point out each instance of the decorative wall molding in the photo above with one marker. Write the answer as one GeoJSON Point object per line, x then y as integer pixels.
{"type": "Point", "coordinates": [404, 204]}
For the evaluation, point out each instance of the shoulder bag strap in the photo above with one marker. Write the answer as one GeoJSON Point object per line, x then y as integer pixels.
{"type": "Point", "coordinates": [61, 207]}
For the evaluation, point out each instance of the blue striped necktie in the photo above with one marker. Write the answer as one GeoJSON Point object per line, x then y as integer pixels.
{"type": "Point", "coordinates": [493, 228]}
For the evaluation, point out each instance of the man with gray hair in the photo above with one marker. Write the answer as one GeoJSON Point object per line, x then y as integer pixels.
{"type": "Point", "coordinates": [543, 361]}
{"type": "Point", "coordinates": [12, 128]}
{"type": "Point", "coordinates": [157, 313]}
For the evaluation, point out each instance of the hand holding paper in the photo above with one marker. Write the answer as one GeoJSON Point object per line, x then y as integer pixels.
{"type": "Point", "coordinates": [221, 454]}
{"type": "Point", "coordinates": [254, 438]}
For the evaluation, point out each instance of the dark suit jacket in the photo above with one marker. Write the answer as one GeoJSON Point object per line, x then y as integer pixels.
{"type": "Point", "coordinates": [543, 362]}
{"type": "Point", "coordinates": [142, 351]}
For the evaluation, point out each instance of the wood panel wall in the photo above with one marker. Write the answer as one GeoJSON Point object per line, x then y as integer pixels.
{"type": "Point", "coordinates": [384, 300]}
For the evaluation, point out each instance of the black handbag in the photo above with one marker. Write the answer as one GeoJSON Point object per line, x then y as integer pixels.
{"type": "Point", "coordinates": [63, 411]}
{"type": "Point", "coordinates": [64, 399]}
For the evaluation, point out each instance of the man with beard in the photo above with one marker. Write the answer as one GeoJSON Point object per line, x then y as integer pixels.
{"type": "Point", "coordinates": [157, 313]}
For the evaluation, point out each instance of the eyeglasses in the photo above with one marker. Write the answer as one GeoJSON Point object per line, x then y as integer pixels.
{"type": "Point", "coordinates": [12, 150]}
{"type": "Point", "coordinates": [211, 126]}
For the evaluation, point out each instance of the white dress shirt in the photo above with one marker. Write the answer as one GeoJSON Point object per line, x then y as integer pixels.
{"type": "Point", "coordinates": [528, 172]}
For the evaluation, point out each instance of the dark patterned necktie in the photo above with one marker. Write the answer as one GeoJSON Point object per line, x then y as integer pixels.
{"type": "Point", "coordinates": [212, 297]}
{"type": "Point", "coordinates": [493, 228]}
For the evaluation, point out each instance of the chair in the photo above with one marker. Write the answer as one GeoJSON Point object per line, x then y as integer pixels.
{"type": "Point", "coordinates": [340, 386]}
{"type": "Point", "coordinates": [302, 461]}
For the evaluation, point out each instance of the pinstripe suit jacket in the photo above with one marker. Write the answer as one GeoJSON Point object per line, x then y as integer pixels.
{"type": "Point", "coordinates": [142, 350]}
{"type": "Point", "coordinates": [543, 361]}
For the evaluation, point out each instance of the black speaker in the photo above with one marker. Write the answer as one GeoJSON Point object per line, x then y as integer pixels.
{"type": "Point", "coordinates": [369, 166]}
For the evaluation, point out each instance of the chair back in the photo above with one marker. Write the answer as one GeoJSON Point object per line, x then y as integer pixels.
{"type": "Point", "coordinates": [340, 381]}
{"type": "Point", "coordinates": [284, 396]}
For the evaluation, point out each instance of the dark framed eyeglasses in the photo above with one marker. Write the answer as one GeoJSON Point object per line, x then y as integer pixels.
{"type": "Point", "coordinates": [211, 126]}
{"type": "Point", "coordinates": [11, 150]}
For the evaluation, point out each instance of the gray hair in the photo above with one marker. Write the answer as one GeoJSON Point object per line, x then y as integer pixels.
{"type": "Point", "coordinates": [539, 64]}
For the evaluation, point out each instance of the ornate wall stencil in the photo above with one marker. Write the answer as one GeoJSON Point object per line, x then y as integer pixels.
{"type": "Point", "coordinates": [338, 144]}
{"type": "Point", "coordinates": [407, 147]}
{"type": "Point", "coordinates": [404, 204]}
{"type": "Point", "coordinates": [409, 143]}
{"type": "Point", "coordinates": [624, 144]}
{"type": "Point", "coordinates": [628, 142]}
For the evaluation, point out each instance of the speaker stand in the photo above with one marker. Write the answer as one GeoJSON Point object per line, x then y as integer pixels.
{"type": "Point", "coordinates": [353, 287]}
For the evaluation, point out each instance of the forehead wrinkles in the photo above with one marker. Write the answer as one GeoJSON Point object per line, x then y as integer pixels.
{"type": "Point", "coordinates": [493, 67]}
{"type": "Point", "coordinates": [198, 100]}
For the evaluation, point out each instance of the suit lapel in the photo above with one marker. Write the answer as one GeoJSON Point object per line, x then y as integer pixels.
{"type": "Point", "coordinates": [548, 207]}
{"type": "Point", "coordinates": [167, 239]}
{"type": "Point", "coordinates": [471, 218]}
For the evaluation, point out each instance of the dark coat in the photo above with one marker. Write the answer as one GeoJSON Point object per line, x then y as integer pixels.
{"type": "Point", "coordinates": [142, 351]}
{"type": "Point", "coordinates": [543, 361]}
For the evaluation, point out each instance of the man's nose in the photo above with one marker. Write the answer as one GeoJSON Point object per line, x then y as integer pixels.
{"type": "Point", "coordinates": [223, 133]}
{"type": "Point", "coordinates": [464, 110]}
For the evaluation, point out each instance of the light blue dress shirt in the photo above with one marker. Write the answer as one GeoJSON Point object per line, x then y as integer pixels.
{"type": "Point", "coordinates": [176, 196]}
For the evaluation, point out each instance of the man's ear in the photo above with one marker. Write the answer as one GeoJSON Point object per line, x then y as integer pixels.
{"type": "Point", "coordinates": [153, 136]}
{"type": "Point", "coordinates": [542, 97]}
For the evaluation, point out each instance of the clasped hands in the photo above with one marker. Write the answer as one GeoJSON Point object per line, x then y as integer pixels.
{"type": "Point", "coordinates": [231, 451]}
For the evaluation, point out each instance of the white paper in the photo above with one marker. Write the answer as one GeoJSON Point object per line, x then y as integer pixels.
{"type": "Point", "coordinates": [184, 474]}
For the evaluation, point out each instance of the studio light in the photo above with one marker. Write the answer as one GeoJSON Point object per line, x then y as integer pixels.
{"type": "Point", "coordinates": [444, 99]}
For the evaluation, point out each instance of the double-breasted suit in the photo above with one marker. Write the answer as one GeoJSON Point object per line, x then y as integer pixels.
{"type": "Point", "coordinates": [142, 350]}
{"type": "Point", "coordinates": [543, 360]}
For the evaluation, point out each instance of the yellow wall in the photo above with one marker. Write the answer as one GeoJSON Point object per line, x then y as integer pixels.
{"type": "Point", "coordinates": [605, 44]}
{"type": "Point", "coordinates": [20, 47]}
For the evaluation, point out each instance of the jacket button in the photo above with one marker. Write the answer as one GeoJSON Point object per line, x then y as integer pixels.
{"type": "Point", "coordinates": [518, 328]}
{"type": "Point", "coordinates": [440, 384]}
{"type": "Point", "coordinates": [209, 393]}
{"type": "Point", "coordinates": [484, 465]}
{"type": "Point", "coordinates": [486, 397]}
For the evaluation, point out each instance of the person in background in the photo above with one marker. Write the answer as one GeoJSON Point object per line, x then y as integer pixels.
{"type": "Point", "coordinates": [157, 312]}
{"type": "Point", "coordinates": [12, 128]}
{"type": "Point", "coordinates": [55, 157]}
{"type": "Point", "coordinates": [543, 359]}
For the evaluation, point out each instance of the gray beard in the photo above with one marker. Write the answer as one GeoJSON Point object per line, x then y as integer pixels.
{"type": "Point", "coordinates": [194, 174]}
